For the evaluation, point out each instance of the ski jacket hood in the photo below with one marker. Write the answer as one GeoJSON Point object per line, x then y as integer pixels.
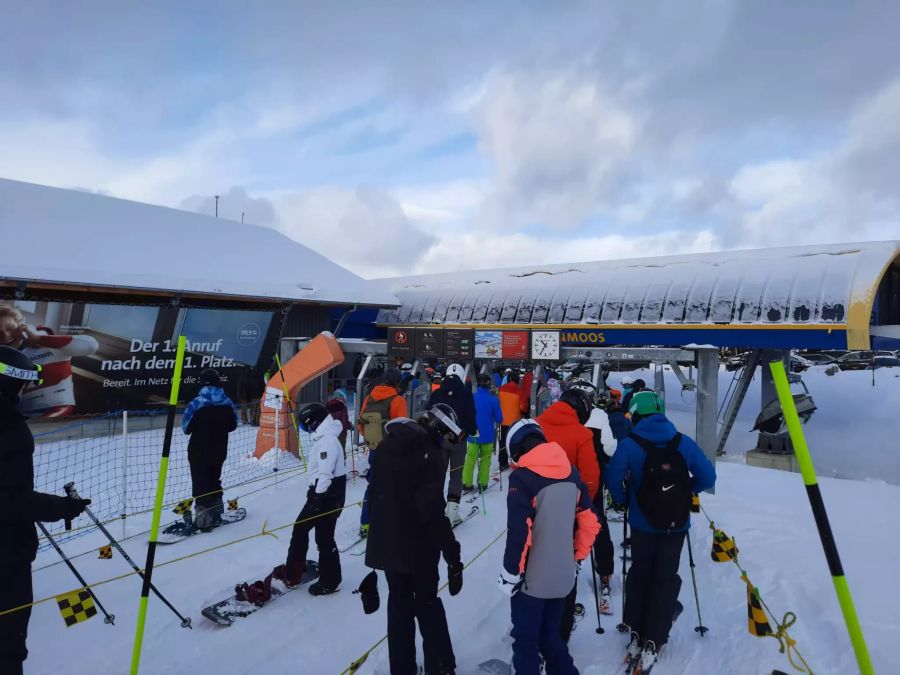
{"type": "Point", "coordinates": [560, 424]}
{"type": "Point", "coordinates": [207, 396]}
{"type": "Point", "coordinates": [383, 391]}
{"type": "Point", "coordinates": [330, 427]}
{"type": "Point", "coordinates": [628, 462]}
{"type": "Point", "coordinates": [548, 460]}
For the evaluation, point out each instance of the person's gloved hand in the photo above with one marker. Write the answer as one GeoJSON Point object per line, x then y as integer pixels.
{"type": "Point", "coordinates": [313, 498]}
{"type": "Point", "coordinates": [70, 509]}
{"type": "Point", "coordinates": [508, 583]}
{"type": "Point", "coordinates": [455, 577]}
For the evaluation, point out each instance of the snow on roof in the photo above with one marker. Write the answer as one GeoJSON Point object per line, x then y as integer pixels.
{"type": "Point", "coordinates": [824, 284]}
{"type": "Point", "coordinates": [73, 237]}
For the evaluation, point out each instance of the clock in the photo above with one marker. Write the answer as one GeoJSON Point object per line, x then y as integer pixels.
{"type": "Point", "coordinates": [545, 345]}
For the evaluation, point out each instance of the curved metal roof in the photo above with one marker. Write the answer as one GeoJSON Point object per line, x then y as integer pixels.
{"type": "Point", "coordinates": [825, 288]}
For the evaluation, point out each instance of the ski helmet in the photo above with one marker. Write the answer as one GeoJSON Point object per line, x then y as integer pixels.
{"type": "Point", "coordinates": [392, 377]}
{"type": "Point", "coordinates": [518, 433]}
{"type": "Point", "coordinates": [645, 403]}
{"type": "Point", "coordinates": [580, 402]}
{"type": "Point", "coordinates": [209, 377]}
{"type": "Point", "coordinates": [458, 370]}
{"type": "Point", "coordinates": [310, 416]}
{"type": "Point", "coordinates": [627, 380]}
{"type": "Point", "coordinates": [16, 370]}
{"type": "Point", "coordinates": [442, 421]}
{"type": "Point", "coordinates": [406, 368]}
{"type": "Point", "coordinates": [584, 385]}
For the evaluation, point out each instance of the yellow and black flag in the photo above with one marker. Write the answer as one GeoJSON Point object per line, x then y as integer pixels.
{"type": "Point", "coordinates": [183, 506]}
{"type": "Point", "coordinates": [757, 621]}
{"type": "Point", "coordinates": [695, 503]}
{"type": "Point", "coordinates": [723, 547]}
{"type": "Point", "coordinates": [232, 504]}
{"type": "Point", "coordinates": [105, 552]}
{"type": "Point", "coordinates": [76, 606]}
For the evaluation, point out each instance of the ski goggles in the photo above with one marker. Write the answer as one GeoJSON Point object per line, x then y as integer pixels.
{"type": "Point", "coordinates": [22, 373]}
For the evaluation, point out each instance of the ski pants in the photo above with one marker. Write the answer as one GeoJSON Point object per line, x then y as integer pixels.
{"type": "Point", "coordinates": [457, 453]}
{"type": "Point", "coordinates": [604, 552]}
{"type": "Point", "coordinates": [503, 456]}
{"type": "Point", "coordinates": [480, 454]}
{"type": "Point", "coordinates": [329, 558]}
{"type": "Point", "coordinates": [364, 516]}
{"type": "Point", "coordinates": [653, 584]}
{"type": "Point", "coordinates": [567, 624]}
{"type": "Point", "coordinates": [14, 591]}
{"type": "Point", "coordinates": [535, 635]}
{"type": "Point", "coordinates": [413, 598]}
{"type": "Point", "coordinates": [206, 481]}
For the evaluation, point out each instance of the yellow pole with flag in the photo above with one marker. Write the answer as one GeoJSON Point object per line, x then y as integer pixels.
{"type": "Point", "coordinates": [157, 508]}
{"type": "Point", "coordinates": [792, 419]}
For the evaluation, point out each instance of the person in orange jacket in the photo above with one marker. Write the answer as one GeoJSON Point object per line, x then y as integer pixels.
{"type": "Point", "coordinates": [563, 423]}
{"type": "Point", "coordinates": [511, 405]}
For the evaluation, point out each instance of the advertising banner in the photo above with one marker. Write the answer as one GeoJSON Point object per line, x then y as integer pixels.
{"type": "Point", "coordinates": [95, 358]}
{"type": "Point", "coordinates": [516, 344]}
{"type": "Point", "coordinates": [488, 344]}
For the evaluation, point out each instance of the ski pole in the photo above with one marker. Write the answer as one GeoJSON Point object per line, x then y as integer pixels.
{"type": "Point", "coordinates": [600, 630]}
{"type": "Point", "coordinates": [622, 627]}
{"type": "Point", "coordinates": [109, 618]}
{"type": "Point", "coordinates": [701, 628]}
{"type": "Point", "coordinates": [73, 493]}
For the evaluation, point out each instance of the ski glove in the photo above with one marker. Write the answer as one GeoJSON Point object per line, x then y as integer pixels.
{"type": "Point", "coordinates": [455, 577]}
{"type": "Point", "coordinates": [508, 583]}
{"type": "Point", "coordinates": [70, 508]}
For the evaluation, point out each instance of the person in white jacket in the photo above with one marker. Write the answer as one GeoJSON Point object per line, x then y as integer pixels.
{"type": "Point", "coordinates": [327, 490]}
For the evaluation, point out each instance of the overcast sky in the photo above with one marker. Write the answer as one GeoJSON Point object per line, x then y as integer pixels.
{"type": "Point", "coordinates": [401, 137]}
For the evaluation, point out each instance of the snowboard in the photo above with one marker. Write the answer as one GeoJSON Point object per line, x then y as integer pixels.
{"type": "Point", "coordinates": [179, 530]}
{"type": "Point", "coordinates": [227, 611]}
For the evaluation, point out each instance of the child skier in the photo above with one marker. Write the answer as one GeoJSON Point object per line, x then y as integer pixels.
{"type": "Point", "coordinates": [208, 420]}
{"type": "Point", "coordinates": [546, 502]}
{"type": "Point", "coordinates": [480, 448]}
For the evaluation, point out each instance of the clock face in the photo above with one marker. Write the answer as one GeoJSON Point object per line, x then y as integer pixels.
{"type": "Point", "coordinates": [545, 345]}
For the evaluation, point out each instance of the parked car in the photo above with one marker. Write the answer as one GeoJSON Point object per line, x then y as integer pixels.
{"type": "Point", "coordinates": [819, 359]}
{"type": "Point", "coordinates": [860, 360]}
{"type": "Point", "coordinates": [881, 361]}
{"type": "Point", "coordinates": [798, 363]}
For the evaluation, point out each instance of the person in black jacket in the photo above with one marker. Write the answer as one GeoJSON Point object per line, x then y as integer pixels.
{"type": "Point", "coordinates": [20, 507]}
{"type": "Point", "coordinates": [408, 534]}
{"type": "Point", "coordinates": [208, 420]}
{"type": "Point", "coordinates": [454, 393]}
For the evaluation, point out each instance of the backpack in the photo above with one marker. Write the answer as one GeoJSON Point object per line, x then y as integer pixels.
{"type": "Point", "coordinates": [666, 491]}
{"type": "Point", "coordinates": [377, 414]}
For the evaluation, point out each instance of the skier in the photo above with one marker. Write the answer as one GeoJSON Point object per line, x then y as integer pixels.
{"type": "Point", "coordinates": [663, 468]}
{"type": "Point", "coordinates": [636, 386]}
{"type": "Point", "coordinates": [386, 402]}
{"type": "Point", "coordinates": [546, 502]}
{"type": "Point", "coordinates": [410, 533]}
{"type": "Point", "coordinates": [510, 395]}
{"type": "Point", "coordinates": [480, 447]}
{"type": "Point", "coordinates": [20, 507]}
{"type": "Point", "coordinates": [563, 423]}
{"type": "Point", "coordinates": [457, 395]}
{"type": "Point", "coordinates": [619, 424]}
{"type": "Point", "coordinates": [208, 420]}
{"type": "Point", "coordinates": [324, 502]}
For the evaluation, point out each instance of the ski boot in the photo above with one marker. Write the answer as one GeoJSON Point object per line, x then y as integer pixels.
{"type": "Point", "coordinates": [318, 588]}
{"type": "Point", "coordinates": [290, 575]}
{"type": "Point", "coordinates": [632, 652]}
{"type": "Point", "coordinates": [647, 660]}
{"type": "Point", "coordinates": [467, 490]}
{"type": "Point", "coordinates": [453, 513]}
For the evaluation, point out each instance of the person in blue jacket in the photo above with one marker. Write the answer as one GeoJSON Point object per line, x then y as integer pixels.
{"type": "Point", "coordinates": [488, 416]}
{"type": "Point", "coordinates": [655, 470]}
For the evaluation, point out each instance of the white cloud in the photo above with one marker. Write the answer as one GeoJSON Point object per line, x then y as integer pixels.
{"type": "Point", "coordinates": [557, 141]}
{"type": "Point", "coordinates": [363, 229]}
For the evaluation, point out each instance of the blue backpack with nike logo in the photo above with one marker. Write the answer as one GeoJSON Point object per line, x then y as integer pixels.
{"type": "Point", "coordinates": [666, 489]}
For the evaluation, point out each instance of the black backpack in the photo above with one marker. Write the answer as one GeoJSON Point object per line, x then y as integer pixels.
{"type": "Point", "coordinates": [666, 490]}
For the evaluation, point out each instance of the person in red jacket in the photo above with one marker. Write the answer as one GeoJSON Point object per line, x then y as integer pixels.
{"type": "Point", "coordinates": [563, 423]}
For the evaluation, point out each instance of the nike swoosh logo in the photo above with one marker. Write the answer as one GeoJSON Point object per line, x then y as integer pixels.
{"type": "Point", "coordinates": [666, 488]}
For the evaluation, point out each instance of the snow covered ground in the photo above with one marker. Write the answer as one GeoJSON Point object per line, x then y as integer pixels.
{"type": "Point", "coordinates": [766, 512]}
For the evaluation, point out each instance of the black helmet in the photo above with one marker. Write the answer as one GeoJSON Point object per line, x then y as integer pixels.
{"type": "Point", "coordinates": [516, 444]}
{"type": "Point", "coordinates": [209, 377]}
{"type": "Point", "coordinates": [485, 380]}
{"type": "Point", "coordinates": [392, 377]}
{"type": "Point", "coordinates": [441, 421]}
{"type": "Point", "coordinates": [16, 370]}
{"type": "Point", "coordinates": [580, 401]}
{"type": "Point", "coordinates": [310, 416]}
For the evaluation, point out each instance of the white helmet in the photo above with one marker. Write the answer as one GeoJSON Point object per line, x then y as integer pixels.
{"type": "Point", "coordinates": [458, 370]}
{"type": "Point", "coordinates": [627, 380]}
